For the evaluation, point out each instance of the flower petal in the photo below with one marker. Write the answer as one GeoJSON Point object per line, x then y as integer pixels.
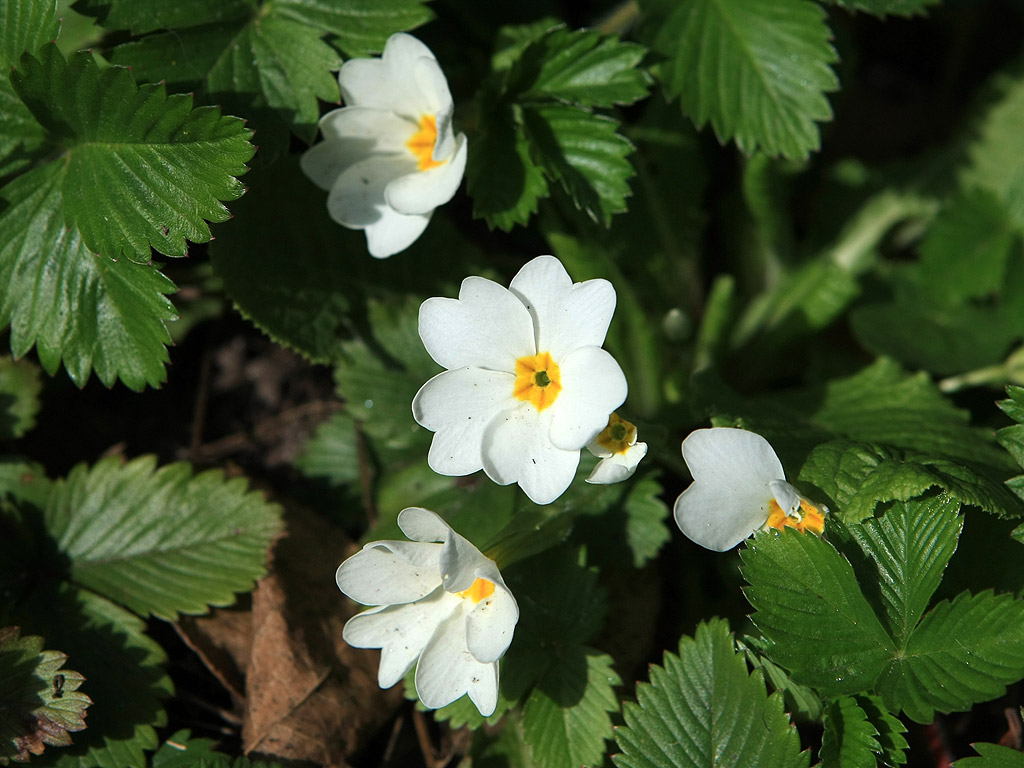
{"type": "Point", "coordinates": [492, 622]}
{"type": "Point", "coordinates": [423, 191]}
{"type": "Point", "coordinates": [617, 467]}
{"type": "Point", "coordinates": [457, 405]}
{"type": "Point", "coordinates": [460, 562]}
{"type": "Point", "coordinates": [352, 134]}
{"type": "Point", "coordinates": [719, 517]}
{"type": "Point", "coordinates": [404, 80]}
{"type": "Point", "coordinates": [447, 669]}
{"type": "Point", "coordinates": [393, 233]}
{"type": "Point", "coordinates": [486, 327]}
{"type": "Point", "coordinates": [400, 631]}
{"type": "Point", "coordinates": [386, 572]}
{"type": "Point", "coordinates": [729, 457]}
{"type": "Point", "coordinates": [357, 198]}
{"type": "Point", "coordinates": [593, 386]}
{"type": "Point", "coordinates": [517, 449]}
{"type": "Point", "coordinates": [566, 315]}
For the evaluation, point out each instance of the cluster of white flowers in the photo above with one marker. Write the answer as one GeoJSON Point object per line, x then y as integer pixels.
{"type": "Point", "coordinates": [526, 387]}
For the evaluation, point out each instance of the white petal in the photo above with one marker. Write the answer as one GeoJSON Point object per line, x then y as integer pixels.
{"type": "Point", "coordinates": [719, 518]}
{"type": "Point", "coordinates": [386, 572]}
{"type": "Point", "coordinates": [492, 622]}
{"type": "Point", "coordinates": [566, 315]}
{"type": "Point", "coordinates": [400, 631]}
{"type": "Point", "coordinates": [486, 327]}
{"type": "Point", "coordinates": [457, 405]}
{"type": "Point", "coordinates": [459, 560]}
{"type": "Point", "coordinates": [352, 134]}
{"type": "Point", "coordinates": [423, 191]}
{"type": "Point", "coordinates": [357, 198]}
{"type": "Point", "coordinates": [593, 386]}
{"type": "Point", "coordinates": [517, 449]}
{"type": "Point", "coordinates": [404, 80]}
{"type": "Point", "coordinates": [447, 669]}
{"type": "Point", "coordinates": [727, 457]}
{"type": "Point", "coordinates": [618, 466]}
{"type": "Point", "coordinates": [323, 163]}
{"type": "Point", "coordinates": [394, 232]}
{"type": "Point", "coordinates": [786, 496]}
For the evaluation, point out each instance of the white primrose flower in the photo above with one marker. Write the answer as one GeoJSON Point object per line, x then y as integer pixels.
{"type": "Point", "coordinates": [527, 385]}
{"type": "Point", "coordinates": [389, 157]}
{"type": "Point", "coordinates": [618, 450]}
{"type": "Point", "coordinates": [443, 604]}
{"type": "Point", "coordinates": [738, 487]}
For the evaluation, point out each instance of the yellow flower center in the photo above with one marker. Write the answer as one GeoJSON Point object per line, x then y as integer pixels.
{"type": "Point", "coordinates": [422, 143]}
{"type": "Point", "coordinates": [538, 380]}
{"type": "Point", "coordinates": [478, 590]}
{"type": "Point", "coordinates": [618, 436]}
{"type": "Point", "coordinates": [811, 518]}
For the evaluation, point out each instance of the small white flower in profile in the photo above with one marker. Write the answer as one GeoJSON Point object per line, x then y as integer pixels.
{"type": "Point", "coordinates": [738, 487]}
{"type": "Point", "coordinates": [527, 385]}
{"type": "Point", "coordinates": [443, 604]}
{"type": "Point", "coordinates": [389, 156]}
{"type": "Point", "coordinates": [618, 450]}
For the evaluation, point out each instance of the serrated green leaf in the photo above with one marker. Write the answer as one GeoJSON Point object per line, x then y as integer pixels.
{"type": "Point", "coordinates": [25, 25]}
{"type": "Point", "coordinates": [580, 67]}
{"type": "Point", "coordinates": [887, 7]}
{"type": "Point", "coordinates": [20, 385]}
{"type": "Point", "coordinates": [858, 477]}
{"type": "Point", "coordinates": [800, 701]}
{"type": "Point", "coordinates": [910, 546]}
{"type": "Point", "coordinates": [1012, 438]}
{"type": "Point", "coordinates": [810, 607]}
{"type": "Point", "coordinates": [566, 718]}
{"type": "Point", "coordinates": [512, 40]}
{"type": "Point", "coordinates": [585, 153]}
{"type": "Point", "coordinates": [995, 160]}
{"type": "Point", "coordinates": [142, 16]}
{"type": "Point", "coordinates": [501, 177]}
{"type": "Point", "coordinates": [25, 482]}
{"type": "Point", "coordinates": [963, 652]}
{"type": "Point", "coordinates": [143, 169]}
{"type": "Point", "coordinates": [122, 667]}
{"type": "Point", "coordinates": [646, 531]}
{"type": "Point", "coordinates": [359, 27]}
{"type": "Point", "coordinates": [42, 703]}
{"type": "Point", "coordinates": [849, 738]}
{"type": "Point", "coordinates": [757, 70]}
{"type": "Point", "coordinates": [333, 451]}
{"type": "Point", "coordinates": [992, 756]}
{"type": "Point", "coordinates": [21, 137]}
{"type": "Point", "coordinates": [703, 708]}
{"type": "Point", "coordinates": [889, 731]}
{"type": "Point", "coordinates": [87, 311]}
{"type": "Point", "coordinates": [161, 542]}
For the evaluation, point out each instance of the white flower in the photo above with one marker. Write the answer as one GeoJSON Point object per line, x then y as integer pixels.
{"type": "Point", "coordinates": [442, 604]}
{"type": "Point", "coordinates": [618, 450]}
{"type": "Point", "coordinates": [738, 487]}
{"type": "Point", "coordinates": [527, 384]}
{"type": "Point", "coordinates": [389, 157]}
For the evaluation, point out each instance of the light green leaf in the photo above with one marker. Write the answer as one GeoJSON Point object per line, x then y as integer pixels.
{"type": "Point", "coordinates": [1012, 438]}
{"type": "Point", "coordinates": [849, 737]}
{"type": "Point", "coordinates": [358, 27]}
{"type": "Point", "coordinates": [143, 169]}
{"type": "Point", "coordinates": [122, 666]}
{"type": "Point", "coordinates": [757, 70]}
{"type": "Point", "coordinates": [512, 40]}
{"type": "Point", "coordinates": [646, 531]}
{"type": "Point", "coordinates": [20, 385]}
{"type": "Point", "coordinates": [87, 311]}
{"type": "Point", "coordinates": [566, 718]}
{"type": "Point", "coordinates": [858, 476]}
{"type": "Point", "coordinates": [992, 756]}
{"type": "Point", "coordinates": [501, 177]}
{"type": "Point", "coordinates": [581, 67]}
{"type": "Point", "coordinates": [910, 546]}
{"type": "Point", "coordinates": [995, 160]}
{"type": "Point", "coordinates": [703, 708]}
{"type": "Point", "coordinates": [963, 652]}
{"type": "Point", "coordinates": [42, 703]}
{"type": "Point", "coordinates": [333, 451]}
{"type": "Point", "coordinates": [161, 541]}
{"type": "Point", "coordinates": [585, 154]}
{"type": "Point", "coordinates": [887, 7]}
{"type": "Point", "coordinates": [810, 607]}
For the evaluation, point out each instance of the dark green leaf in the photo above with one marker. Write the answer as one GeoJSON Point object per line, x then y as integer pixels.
{"type": "Point", "coordinates": [580, 67]}
{"type": "Point", "coordinates": [849, 738]}
{"type": "Point", "coordinates": [992, 756]}
{"type": "Point", "coordinates": [703, 708]}
{"type": "Point", "coordinates": [143, 169]}
{"type": "Point", "coordinates": [889, 731]}
{"type": "Point", "coordinates": [757, 70]}
{"type": "Point", "coordinates": [887, 7]}
{"type": "Point", "coordinates": [141, 16]}
{"type": "Point", "coordinates": [333, 451]}
{"type": "Point", "coordinates": [42, 703]}
{"type": "Point", "coordinates": [585, 154]}
{"type": "Point", "coordinates": [89, 311]}
{"type": "Point", "coordinates": [646, 531]}
{"type": "Point", "coordinates": [161, 541]}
